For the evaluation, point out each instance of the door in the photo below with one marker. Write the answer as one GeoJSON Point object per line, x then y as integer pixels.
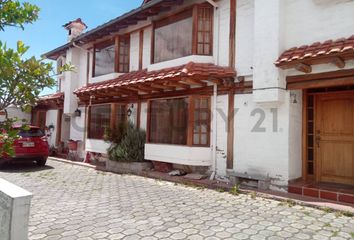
{"type": "Point", "coordinates": [334, 138]}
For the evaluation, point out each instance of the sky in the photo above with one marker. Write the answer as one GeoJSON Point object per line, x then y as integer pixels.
{"type": "Point", "coordinates": [47, 33]}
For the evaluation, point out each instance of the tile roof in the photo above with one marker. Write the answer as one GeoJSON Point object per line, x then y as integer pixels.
{"type": "Point", "coordinates": [317, 50]}
{"type": "Point", "coordinates": [55, 96]}
{"type": "Point", "coordinates": [190, 70]}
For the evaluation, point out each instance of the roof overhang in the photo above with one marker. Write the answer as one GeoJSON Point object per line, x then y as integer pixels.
{"type": "Point", "coordinates": [142, 13]}
{"type": "Point", "coordinates": [302, 58]}
{"type": "Point", "coordinates": [192, 77]}
{"type": "Point", "coordinates": [52, 101]}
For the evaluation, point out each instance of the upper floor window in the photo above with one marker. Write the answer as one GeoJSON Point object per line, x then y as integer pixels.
{"type": "Point", "coordinates": [112, 56]}
{"type": "Point", "coordinates": [104, 58]}
{"type": "Point", "coordinates": [123, 53]}
{"type": "Point", "coordinates": [186, 33]}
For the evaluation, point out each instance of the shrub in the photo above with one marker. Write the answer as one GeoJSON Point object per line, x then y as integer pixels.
{"type": "Point", "coordinates": [129, 146]}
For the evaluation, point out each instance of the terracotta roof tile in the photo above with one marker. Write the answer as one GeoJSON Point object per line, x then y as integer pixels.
{"type": "Point", "coordinates": [316, 50]}
{"type": "Point", "coordinates": [55, 96]}
{"type": "Point", "coordinates": [170, 74]}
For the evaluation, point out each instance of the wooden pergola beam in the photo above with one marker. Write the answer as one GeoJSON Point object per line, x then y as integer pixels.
{"type": "Point", "coordinates": [339, 62]}
{"type": "Point", "coordinates": [303, 68]}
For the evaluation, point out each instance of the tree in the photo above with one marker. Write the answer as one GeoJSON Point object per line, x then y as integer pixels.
{"type": "Point", "coordinates": [15, 14]}
{"type": "Point", "coordinates": [21, 80]}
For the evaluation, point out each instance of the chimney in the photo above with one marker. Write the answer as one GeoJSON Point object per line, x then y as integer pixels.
{"type": "Point", "coordinates": [75, 28]}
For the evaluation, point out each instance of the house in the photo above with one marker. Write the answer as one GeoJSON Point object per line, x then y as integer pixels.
{"type": "Point", "coordinates": [253, 89]}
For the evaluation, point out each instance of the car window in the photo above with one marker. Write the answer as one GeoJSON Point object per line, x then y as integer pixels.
{"type": "Point", "coordinates": [31, 133]}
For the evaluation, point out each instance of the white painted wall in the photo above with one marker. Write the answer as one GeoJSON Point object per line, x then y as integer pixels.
{"type": "Point", "coordinates": [143, 115]}
{"type": "Point", "coordinates": [15, 112]}
{"type": "Point", "coordinates": [147, 47]}
{"type": "Point", "coordinates": [309, 21]}
{"type": "Point", "coordinates": [134, 51]}
{"type": "Point", "coordinates": [244, 37]}
{"type": "Point", "coordinates": [15, 205]}
{"type": "Point", "coordinates": [193, 156]}
{"type": "Point", "coordinates": [264, 152]}
{"type": "Point", "coordinates": [52, 119]}
{"type": "Point", "coordinates": [222, 106]}
{"type": "Point", "coordinates": [97, 146]}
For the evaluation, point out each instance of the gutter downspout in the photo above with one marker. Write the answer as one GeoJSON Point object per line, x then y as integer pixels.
{"type": "Point", "coordinates": [215, 94]}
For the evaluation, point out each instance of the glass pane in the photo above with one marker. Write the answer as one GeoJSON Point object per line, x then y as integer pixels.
{"type": "Point", "coordinates": [104, 60]}
{"type": "Point", "coordinates": [196, 139]}
{"type": "Point", "coordinates": [310, 154]}
{"type": "Point", "coordinates": [174, 40]}
{"type": "Point", "coordinates": [200, 49]}
{"type": "Point", "coordinates": [310, 168]}
{"type": "Point", "coordinates": [204, 128]}
{"type": "Point", "coordinates": [204, 139]}
{"type": "Point", "coordinates": [169, 121]}
{"type": "Point", "coordinates": [310, 141]}
{"type": "Point", "coordinates": [310, 127]}
{"type": "Point", "coordinates": [310, 114]}
{"type": "Point", "coordinates": [99, 121]}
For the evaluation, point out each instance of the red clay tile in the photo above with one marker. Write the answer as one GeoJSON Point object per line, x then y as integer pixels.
{"type": "Point", "coordinates": [315, 50]}
{"type": "Point", "coordinates": [328, 195]}
{"type": "Point", "coordinates": [311, 192]}
{"type": "Point", "coordinates": [346, 198]}
{"type": "Point", "coordinates": [197, 70]}
{"type": "Point", "coordinates": [294, 189]}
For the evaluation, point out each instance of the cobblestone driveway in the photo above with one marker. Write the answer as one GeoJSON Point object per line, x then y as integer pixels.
{"type": "Point", "coordinates": [72, 202]}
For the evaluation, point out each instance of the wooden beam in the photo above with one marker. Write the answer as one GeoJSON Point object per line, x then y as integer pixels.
{"type": "Point", "coordinates": [138, 89]}
{"type": "Point", "coordinates": [141, 48]}
{"type": "Point", "coordinates": [230, 131]}
{"type": "Point", "coordinates": [232, 37]}
{"type": "Point", "coordinates": [303, 68]}
{"type": "Point", "coordinates": [339, 62]}
{"type": "Point", "coordinates": [155, 85]}
{"type": "Point", "coordinates": [191, 81]}
{"type": "Point", "coordinates": [177, 84]}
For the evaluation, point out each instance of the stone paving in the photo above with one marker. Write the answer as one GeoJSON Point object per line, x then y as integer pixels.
{"type": "Point", "coordinates": [72, 202]}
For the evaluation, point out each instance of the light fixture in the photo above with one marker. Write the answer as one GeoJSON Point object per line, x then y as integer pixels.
{"type": "Point", "coordinates": [77, 113]}
{"type": "Point", "coordinates": [130, 110]}
{"type": "Point", "coordinates": [293, 97]}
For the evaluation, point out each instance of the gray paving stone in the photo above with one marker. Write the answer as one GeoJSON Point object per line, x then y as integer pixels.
{"type": "Point", "coordinates": [72, 202]}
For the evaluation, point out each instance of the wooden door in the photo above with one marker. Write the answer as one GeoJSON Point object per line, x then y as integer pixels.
{"type": "Point", "coordinates": [334, 138]}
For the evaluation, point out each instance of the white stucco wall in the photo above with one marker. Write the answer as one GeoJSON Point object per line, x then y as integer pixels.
{"type": "Point", "coordinates": [244, 37]}
{"type": "Point", "coordinates": [192, 156]}
{"type": "Point", "coordinates": [221, 134]}
{"type": "Point", "coordinates": [96, 146]}
{"type": "Point", "coordinates": [52, 119]}
{"type": "Point", "coordinates": [143, 115]}
{"type": "Point", "coordinates": [147, 47]}
{"type": "Point", "coordinates": [317, 20]}
{"type": "Point", "coordinates": [134, 51]}
{"type": "Point", "coordinates": [15, 112]}
{"type": "Point", "coordinates": [263, 151]}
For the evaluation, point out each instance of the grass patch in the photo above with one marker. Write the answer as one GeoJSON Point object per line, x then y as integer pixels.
{"type": "Point", "coordinates": [220, 190]}
{"type": "Point", "coordinates": [235, 190]}
{"type": "Point", "coordinates": [327, 225]}
{"type": "Point", "coordinates": [253, 195]}
{"type": "Point", "coordinates": [287, 202]}
{"type": "Point", "coordinates": [352, 234]}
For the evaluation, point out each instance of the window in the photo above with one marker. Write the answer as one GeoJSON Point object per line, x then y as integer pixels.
{"type": "Point", "coordinates": [169, 120]}
{"type": "Point", "coordinates": [174, 40]}
{"type": "Point", "coordinates": [204, 31]}
{"type": "Point", "coordinates": [201, 121]}
{"type": "Point", "coordinates": [189, 32]}
{"type": "Point", "coordinates": [99, 121]}
{"type": "Point", "coordinates": [103, 117]}
{"type": "Point", "coordinates": [104, 58]}
{"type": "Point", "coordinates": [123, 53]}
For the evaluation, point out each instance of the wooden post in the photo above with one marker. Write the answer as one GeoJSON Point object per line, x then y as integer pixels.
{"type": "Point", "coordinates": [141, 48]}
{"type": "Point", "coordinates": [231, 109]}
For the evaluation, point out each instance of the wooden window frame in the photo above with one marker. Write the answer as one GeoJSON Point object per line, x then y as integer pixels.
{"type": "Point", "coordinates": [117, 55]}
{"type": "Point", "coordinates": [98, 45]}
{"type": "Point", "coordinates": [191, 122]}
{"type": "Point", "coordinates": [183, 14]}
{"type": "Point", "coordinates": [113, 117]}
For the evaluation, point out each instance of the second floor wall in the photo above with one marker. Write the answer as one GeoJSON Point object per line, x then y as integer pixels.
{"type": "Point", "coordinates": [196, 31]}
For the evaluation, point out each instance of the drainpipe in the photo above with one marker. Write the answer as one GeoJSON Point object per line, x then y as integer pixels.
{"type": "Point", "coordinates": [215, 94]}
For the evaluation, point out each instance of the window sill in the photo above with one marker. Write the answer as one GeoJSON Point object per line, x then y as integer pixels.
{"type": "Point", "coordinates": [176, 154]}
{"type": "Point", "coordinates": [181, 61]}
{"type": "Point", "coordinates": [105, 77]}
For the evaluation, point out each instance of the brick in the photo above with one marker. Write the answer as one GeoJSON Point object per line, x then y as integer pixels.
{"type": "Point", "coordinates": [328, 195]}
{"type": "Point", "coordinates": [311, 192]}
{"type": "Point", "coordinates": [346, 198]}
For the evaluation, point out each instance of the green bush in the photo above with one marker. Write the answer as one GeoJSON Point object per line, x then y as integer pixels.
{"type": "Point", "coordinates": [128, 144]}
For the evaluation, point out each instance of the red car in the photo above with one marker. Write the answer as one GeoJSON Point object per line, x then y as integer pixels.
{"type": "Point", "coordinates": [31, 146]}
